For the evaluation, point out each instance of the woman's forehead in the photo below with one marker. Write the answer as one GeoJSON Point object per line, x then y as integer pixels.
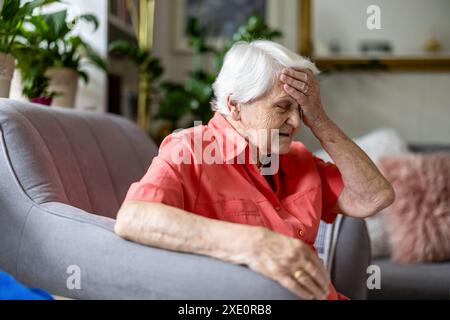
{"type": "Point", "coordinates": [278, 94]}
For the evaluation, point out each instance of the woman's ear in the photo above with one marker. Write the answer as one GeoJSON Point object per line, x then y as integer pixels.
{"type": "Point", "coordinates": [234, 109]}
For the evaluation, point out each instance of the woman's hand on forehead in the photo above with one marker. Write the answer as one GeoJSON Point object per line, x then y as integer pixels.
{"type": "Point", "coordinates": [303, 87]}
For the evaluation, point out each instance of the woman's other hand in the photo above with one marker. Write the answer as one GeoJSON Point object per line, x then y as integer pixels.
{"type": "Point", "coordinates": [291, 263]}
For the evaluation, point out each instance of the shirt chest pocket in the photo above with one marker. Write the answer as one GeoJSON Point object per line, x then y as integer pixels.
{"type": "Point", "coordinates": [306, 208]}
{"type": "Point", "coordinates": [237, 211]}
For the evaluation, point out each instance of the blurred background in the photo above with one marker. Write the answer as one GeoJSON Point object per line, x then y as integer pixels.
{"type": "Point", "coordinates": [395, 76]}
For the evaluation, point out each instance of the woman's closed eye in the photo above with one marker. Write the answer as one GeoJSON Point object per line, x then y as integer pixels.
{"type": "Point", "coordinates": [282, 109]}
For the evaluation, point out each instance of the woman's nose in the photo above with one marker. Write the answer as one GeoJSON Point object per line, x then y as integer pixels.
{"type": "Point", "coordinates": [294, 118]}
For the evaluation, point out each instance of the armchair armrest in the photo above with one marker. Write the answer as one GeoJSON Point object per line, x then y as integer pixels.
{"type": "Point", "coordinates": [351, 259]}
{"type": "Point", "coordinates": [57, 236]}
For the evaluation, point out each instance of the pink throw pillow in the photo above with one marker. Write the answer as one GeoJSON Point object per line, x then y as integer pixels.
{"type": "Point", "coordinates": [419, 220]}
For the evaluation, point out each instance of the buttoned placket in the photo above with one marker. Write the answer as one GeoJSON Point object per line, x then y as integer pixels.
{"type": "Point", "coordinates": [275, 201]}
{"type": "Point", "coordinates": [270, 194]}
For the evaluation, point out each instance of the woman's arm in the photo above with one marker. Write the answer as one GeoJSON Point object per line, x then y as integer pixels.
{"type": "Point", "coordinates": [365, 191]}
{"type": "Point", "coordinates": [269, 253]}
{"type": "Point", "coordinates": [160, 225]}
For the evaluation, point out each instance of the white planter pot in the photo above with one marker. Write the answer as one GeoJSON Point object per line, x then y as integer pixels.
{"type": "Point", "coordinates": [64, 82]}
{"type": "Point", "coordinates": [7, 64]}
{"type": "Point", "coordinates": [16, 87]}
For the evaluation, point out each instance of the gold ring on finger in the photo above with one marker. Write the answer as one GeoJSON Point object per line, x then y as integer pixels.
{"type": "Point", "coordinates": [306, 89]}
{"type": "Point", "coordinates": [298, 274]}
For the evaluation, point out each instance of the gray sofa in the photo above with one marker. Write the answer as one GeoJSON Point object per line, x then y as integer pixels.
{"type": "Point", "coordinates": [64, 174]}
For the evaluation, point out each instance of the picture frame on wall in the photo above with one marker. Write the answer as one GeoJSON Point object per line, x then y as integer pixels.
{"type": "Point", "coordinates": [225, 16]}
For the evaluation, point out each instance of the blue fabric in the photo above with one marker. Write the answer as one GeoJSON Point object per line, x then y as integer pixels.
{"type": "Point", "coordinates": [10, 289]}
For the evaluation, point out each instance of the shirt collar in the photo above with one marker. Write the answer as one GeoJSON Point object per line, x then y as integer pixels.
{"type": "Point", "coordinates": [233, 144]}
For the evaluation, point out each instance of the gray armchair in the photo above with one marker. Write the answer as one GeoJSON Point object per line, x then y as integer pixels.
{"type": "Point", "coordinates": [64, 174]}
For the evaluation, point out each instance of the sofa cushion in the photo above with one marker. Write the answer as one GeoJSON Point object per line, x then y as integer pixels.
{"type": "Point", "coordinates": [413, 281]}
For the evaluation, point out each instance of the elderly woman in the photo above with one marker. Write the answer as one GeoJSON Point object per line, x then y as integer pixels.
{"type": "Point", "coordinates": [208, 191]}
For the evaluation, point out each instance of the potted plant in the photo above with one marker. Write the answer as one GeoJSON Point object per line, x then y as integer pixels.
{"type": "Point", "coordinates": [32, 65]}
{"type": "Point", "coordinates": [65, 53]}
{"type": "Point", "coordinates": [13, 13]}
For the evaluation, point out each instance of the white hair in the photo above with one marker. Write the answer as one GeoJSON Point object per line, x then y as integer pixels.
{"type": "Point", "coordinates": [250, 69]}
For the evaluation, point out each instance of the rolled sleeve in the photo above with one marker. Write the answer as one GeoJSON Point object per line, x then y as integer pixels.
{"type": "Point", "coordinates": [166, 181]}
{"type": "Point", "coordinates": [160, 184]}
{"type": "Point", "coordinates": [332, 186]}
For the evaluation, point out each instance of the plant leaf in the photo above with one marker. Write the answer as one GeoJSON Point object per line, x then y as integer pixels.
{"type": "Point", "coordinates": [10, 9]}
{"type": "Point", "coordinates": [28, 8]}
{"type": "Point", "coordinates": [95, 58]}
{"type": "Point", "coordinates": [83, 76]}
{"type": "Point", "coordinates": [91, 19]}
{"type": "Point", "coordinates": [57, 25]}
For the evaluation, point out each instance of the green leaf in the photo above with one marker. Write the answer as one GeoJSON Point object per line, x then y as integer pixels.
{"type": "Point", "coordinates": [142, 57]}
{"type": "Point", "coordinates": [174, 104]}
{"type": "Point", "coordinates": [40, 25]}
{"type": "Point", "coordinates": [28, 7]}
{"type": "Point", "coordinates": [125, 48]}
{"type": "Point", "coordinates": [91, 19]}
{"type": "Point", "coordinates": [10, 9]}
{"type": "Point", "coordinates": [57, 25]}
{"type": "Point", "coordinates": [154, 69]}
{"type": "Point", "coordinates": [147, 64]}
{"type": "Point", "coordinates": [255, 23]}
{"type": "Point", "coordinates": [199, 89]}
{"type": "Point", "coordinates": [194, 28]}
{"type": "Point", "coordinates": [83, 76]}
{"type": "Point", "coordinates": [94, 57]}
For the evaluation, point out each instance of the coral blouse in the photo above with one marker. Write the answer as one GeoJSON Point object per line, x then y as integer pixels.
{"type": "Point", "coordinates": [305, 189]}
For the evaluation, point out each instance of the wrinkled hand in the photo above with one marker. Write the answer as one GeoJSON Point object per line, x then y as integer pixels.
{"type": "Point", "coordinates": [302, 85]}
{"type": "Point", "coordinates": [279, 257]}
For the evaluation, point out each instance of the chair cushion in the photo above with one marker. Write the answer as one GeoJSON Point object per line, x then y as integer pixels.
{"type": "Point", "coordinates": [412, 281]}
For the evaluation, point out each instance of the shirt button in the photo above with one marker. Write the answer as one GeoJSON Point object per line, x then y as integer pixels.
{"type": "Point", "coordinates": [278, 208]}
{"type": "Point", "coordinates": [301, 233]}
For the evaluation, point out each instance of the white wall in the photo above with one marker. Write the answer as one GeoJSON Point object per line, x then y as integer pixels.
{"type": "Point", "coordinates": [416, 104]}
{"type": "Point", "coordinates": [407, 24]}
